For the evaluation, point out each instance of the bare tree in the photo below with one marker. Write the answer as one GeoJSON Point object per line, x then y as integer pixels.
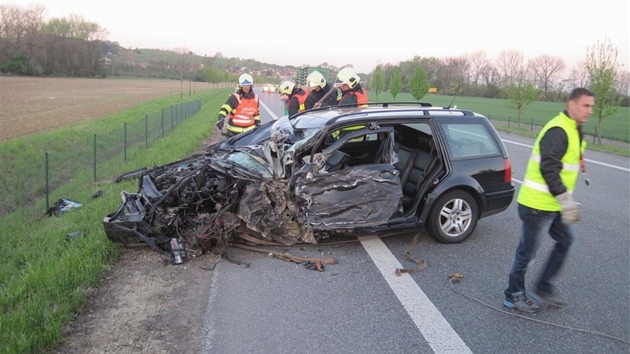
{"type": "Point", "coordinates": [479, 63]}
{"type": "Point", "coordinates": [623, 83]}
{"type": "Point", "coordinates": [579, 75]}
{"type": "Point", "coordinates": [455, 74]}
{"type": "Point", "coordinates": [490, 75]}
{"type": "Point", "coordinates": [545, 68]}
{"type": "Point", "coordinates": [510, 64]}
{"type": "Point", "coordinates": [183, 66]}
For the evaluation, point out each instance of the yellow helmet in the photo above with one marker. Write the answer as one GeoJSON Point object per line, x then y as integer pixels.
{"type": "Point", "coordinates": [348, 76]}
{"type": "Point", "coordinates": [315, 79]}
{"type": "Point", "coordinates": [245, 80]}
{"type": "Point", "coordinates": [286, 87]}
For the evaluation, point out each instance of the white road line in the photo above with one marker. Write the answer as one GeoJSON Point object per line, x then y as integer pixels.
{"type": "Point", "coordinates": [434, 328]}
{"type": "Point", "coordinates": [587, 160]}
{"type": "Point", "coordinates": [273, 115]}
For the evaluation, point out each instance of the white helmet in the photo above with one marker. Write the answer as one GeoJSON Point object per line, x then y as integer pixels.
{"type": "Point", "coordinates": [315, 79]}
{"type": "Point", "coordinates": [348, 76]}
{"type": "Point", "coordinates": [245, 80]}
{"type": "Point", "coordinates": [286, 87]}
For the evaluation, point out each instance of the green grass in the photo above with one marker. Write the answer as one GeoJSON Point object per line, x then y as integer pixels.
{"type": "Point", "coordinates": [44, 278]}
{"type": "Point", "coordinates": [615, 127]}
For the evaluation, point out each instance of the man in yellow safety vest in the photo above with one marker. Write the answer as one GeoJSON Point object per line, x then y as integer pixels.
{"type": "Point", "coordinates": [545, 201]}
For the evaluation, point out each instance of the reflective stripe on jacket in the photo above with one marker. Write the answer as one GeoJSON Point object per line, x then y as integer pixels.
{"type": "Point", "coordinates": [246, 114]}
{"type": "Point", "coordinates": [301, 97]}
{"type": "Point", "coordinates": [534, 192]}
{"type": "Point", "coordinates": [295, 106]}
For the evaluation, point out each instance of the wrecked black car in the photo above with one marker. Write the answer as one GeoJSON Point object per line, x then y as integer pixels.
{"type": "Point", "coordinates": [321, 173]}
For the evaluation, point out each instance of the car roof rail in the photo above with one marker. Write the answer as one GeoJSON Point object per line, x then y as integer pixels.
{"type": "Point", "coordinates": [405, 103]}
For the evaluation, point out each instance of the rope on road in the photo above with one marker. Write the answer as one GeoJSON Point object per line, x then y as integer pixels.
{"type": "Point", "coordinates": [455, 279]}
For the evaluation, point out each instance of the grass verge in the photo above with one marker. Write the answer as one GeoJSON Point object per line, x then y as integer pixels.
{"type": "Point", "coordinates": [46, 278]}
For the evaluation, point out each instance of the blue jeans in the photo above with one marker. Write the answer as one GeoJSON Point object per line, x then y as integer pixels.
{"type": "Point", "coordinates": [536, 222]}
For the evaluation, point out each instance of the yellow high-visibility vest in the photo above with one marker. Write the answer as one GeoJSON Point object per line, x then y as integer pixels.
{"type": "Point", "coordinates": [534, 192]}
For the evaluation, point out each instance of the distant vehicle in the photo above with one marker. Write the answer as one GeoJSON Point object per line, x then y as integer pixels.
{"type": "Point", "coordinates": [269, 88]}
{"type": "Point", "coordinates": [327, 172]}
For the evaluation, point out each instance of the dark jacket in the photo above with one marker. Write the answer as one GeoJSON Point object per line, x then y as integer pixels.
{"type": "Point", "coordinates": [293, 104]}
{"type": "Point", "coordinates": [315, 96]}
{"type": "Point", "coordinates": [553, 146]}
{"type": "Point", "coordinates": [355, 96]}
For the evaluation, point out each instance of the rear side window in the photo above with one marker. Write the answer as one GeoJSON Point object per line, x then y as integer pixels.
{"type": "Point", "coordinates": [469, 140]}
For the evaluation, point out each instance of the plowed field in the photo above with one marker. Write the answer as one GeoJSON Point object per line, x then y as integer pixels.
{"type": "Point", "coordinates": [29, 105]}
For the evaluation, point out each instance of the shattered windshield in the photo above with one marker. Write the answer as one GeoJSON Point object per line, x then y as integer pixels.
{"type": "Point", "coordinates": [300, 128]}
{"type": "Point", "coordinates": [250, 163]}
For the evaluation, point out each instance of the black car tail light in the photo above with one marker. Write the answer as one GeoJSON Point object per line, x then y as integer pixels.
{"type": "Point", "coordinates": [508, 170]}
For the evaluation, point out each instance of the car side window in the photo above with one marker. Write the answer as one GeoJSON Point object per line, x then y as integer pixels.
{"type": "Point", "coordinates": [359, 147]}
{"type": "Point", "coordinates": [469, 140]}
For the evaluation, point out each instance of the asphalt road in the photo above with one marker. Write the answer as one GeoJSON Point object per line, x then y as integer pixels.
{"type": "Point", "coordinates": [360, 306]}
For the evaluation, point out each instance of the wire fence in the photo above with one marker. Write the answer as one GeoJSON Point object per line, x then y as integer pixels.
{"type": "Point", "coordinates": [65, 156]}
{"type": "Point", "coordinates": [589, 136]}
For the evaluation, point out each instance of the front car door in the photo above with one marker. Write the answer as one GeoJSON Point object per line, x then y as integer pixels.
{"type": "Point", "coordinates": [341, 187]}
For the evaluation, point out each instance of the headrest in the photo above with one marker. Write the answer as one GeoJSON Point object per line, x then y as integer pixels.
{"type": "Point", "coordinates": [424, 142]}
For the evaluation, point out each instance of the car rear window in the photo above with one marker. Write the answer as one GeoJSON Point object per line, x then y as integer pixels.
{"type": "Point", "coordinates": [469, 140]}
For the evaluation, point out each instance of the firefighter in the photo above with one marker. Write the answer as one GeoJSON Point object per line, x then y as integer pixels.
{"type": "Point", "coordinates": [351, 91]}
{"type": "Point", "coordinates": [352, 94]}
{"type": "Point", "coordinates": [242, 107]}
{"type": "Point", "coordinates": [293, 97]}
{"type": "Point", "coordinates": [318, 88]}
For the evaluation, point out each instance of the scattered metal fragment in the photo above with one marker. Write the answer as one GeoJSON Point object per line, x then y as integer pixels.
{"type": "Point", "coordinates": [62, 206]}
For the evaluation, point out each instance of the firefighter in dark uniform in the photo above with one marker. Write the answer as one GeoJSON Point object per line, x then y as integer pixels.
{"type": "Point", "coordinates": [351, 91]}
{"type": "Point", "coordinates": [293, 96]}
{"type": "Point", "coordinates": [352, 95]}
{"type": "Point", "coordinates": [242, 108]}
{"type": "Point", "coordinates": [318, 88]}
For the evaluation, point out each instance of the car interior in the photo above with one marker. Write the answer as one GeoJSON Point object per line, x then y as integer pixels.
{"type": "Point", "coordinates": [413, 153]}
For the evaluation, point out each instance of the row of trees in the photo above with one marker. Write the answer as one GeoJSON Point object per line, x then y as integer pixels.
{"type": "Point", "coordinates": [520, 82]}
{"type": "Point", "coordinates": [72, 46]}
{"type": "Point", "coordinates": [477, 75]}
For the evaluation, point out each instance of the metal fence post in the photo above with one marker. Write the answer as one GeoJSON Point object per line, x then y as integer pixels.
{"type": "Point", "coordinates": [94, 162]}
{"type": "Point", "coordinates": [46, 177]}
{"type": "Point", "coordinates": [125, 141]}
{"type": "Point", "coordinates": [162, 122]}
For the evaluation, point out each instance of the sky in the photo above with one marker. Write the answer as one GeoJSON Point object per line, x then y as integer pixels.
{"type": "Point", "coordinates": [357, 33]}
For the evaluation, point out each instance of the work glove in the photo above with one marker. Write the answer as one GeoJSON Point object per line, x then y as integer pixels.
{"type": "Point", "coordinates": [570, 212]}
{"type": "Point", "coordinates": [220, 123]}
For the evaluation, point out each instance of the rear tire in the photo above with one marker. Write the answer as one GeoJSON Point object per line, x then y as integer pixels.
{"type": "Point", "coordinates": [454, 217]}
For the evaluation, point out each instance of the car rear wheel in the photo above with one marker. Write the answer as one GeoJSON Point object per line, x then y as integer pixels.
{"type": "Point", "coordinates": [453, 218]}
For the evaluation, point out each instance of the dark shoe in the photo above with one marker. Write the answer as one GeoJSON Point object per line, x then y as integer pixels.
{"type": "Point", "coordinates": [548, 299]}
{"type": "Point", "coordinates": [521, 303]}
